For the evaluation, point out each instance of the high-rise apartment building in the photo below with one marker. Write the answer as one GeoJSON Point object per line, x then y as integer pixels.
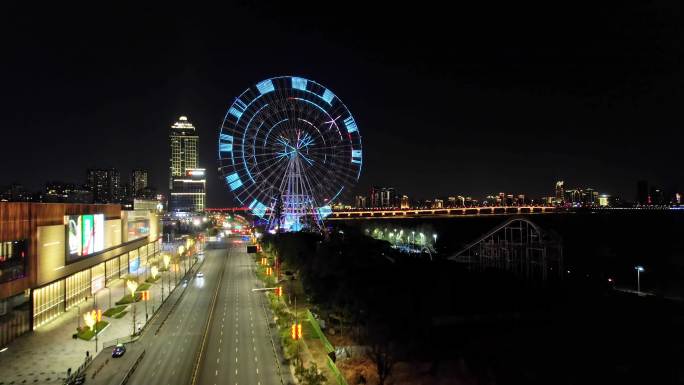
{"type": "Point", "coordinates": [105, 185]}
{"type": "Point", "coordinates": [138, 182]}
{"type": "Point", "coordinates": [382, 197]}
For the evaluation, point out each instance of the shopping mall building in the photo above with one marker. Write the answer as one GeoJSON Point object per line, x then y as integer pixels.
{"type": "Point", "coordinates": [55, 255]}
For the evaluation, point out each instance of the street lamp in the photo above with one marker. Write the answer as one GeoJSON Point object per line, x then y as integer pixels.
{"type": "Point", "coordinates": [434, 235]}
{"type": "Point", "coordinates": [639, 270]}
{"type": "Point", "coordinates": [167, 259]}
{"type": "Point", "coordinates": [181, 250]}
{"type": "Point", "coordinates": [109, 290]}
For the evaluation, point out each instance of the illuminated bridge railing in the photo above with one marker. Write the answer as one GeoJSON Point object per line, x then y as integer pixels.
{"type": "Point", "coordinates": [461, 211]}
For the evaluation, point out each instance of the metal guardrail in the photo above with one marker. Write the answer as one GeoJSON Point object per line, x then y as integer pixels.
{"type": "Point", "coordinates": [328, 347]}
{"type": "Point", "coordinates": [132, 369]}
{"type": "Point", "coordinates": [123, 340]}
{"type": "Point", "coordinates": [317, 328]}
{"type": "Point", "coordinates": [80, 370]}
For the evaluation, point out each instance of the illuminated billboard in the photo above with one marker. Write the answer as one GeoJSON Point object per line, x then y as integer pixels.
{"type": "Point", "coordinates": [73, 223]}
{"type": "Point", "coordinates": [85, 235]}
{"type": "Point", "coordinates": [138, 229]}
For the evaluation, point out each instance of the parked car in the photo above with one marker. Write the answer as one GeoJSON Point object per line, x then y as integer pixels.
{"type": "Point", "coordinates": [119, 350]}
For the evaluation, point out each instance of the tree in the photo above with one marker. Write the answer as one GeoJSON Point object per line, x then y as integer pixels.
{"type": "Point", "coordinates": [310, 376]}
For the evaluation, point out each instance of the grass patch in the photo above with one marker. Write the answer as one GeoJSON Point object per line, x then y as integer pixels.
{"type": "Point", "coordinates": [143, 287]}
{"type": "Point", "coordinates": [152, 280]}
{"type": "Point", "coordinates": [86, 333]}
{"type": "Point", "coordinates": [120, 315]}
{"type": "Point", "coordinates": [126, 299]}
{"type": "Point", "coordinates": [112, 311]}
{"type": "Point", "coordinates": [308, 331]}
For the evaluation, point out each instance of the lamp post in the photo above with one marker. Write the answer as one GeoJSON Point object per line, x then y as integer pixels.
{"type": "Point", "coordinates": [109, 291]}
{"type": "Point", "coordinates": [639, 270]}
{"type": "Point", "coordinates": [167, 259]}
{"type": "Point", "coordinates": [78, 316]}
{"type": "Point", "coordinates": [181, 250]}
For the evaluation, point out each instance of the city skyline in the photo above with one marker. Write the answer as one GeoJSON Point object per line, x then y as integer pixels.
{"type": "Point", "coordinates": [472, 131]}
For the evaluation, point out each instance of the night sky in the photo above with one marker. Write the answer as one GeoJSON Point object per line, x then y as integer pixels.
{"type": "Point", "coordinates": [449, 101]}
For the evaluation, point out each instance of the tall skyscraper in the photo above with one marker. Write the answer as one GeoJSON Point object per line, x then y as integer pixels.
{"type": "Point", "coordinates": [560, 192]}
{"type": "Point", "coordinates": [138, 182]}
{"type": "Point", "coordinates": [183, 144]}
{"type": "Point", "coordinates": [187, 183]}
{"type": "Point", "coordinates": [384, 197]}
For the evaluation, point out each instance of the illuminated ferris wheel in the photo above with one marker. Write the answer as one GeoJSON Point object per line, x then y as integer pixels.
{"type": "Point", "coordinates": [288, 148]}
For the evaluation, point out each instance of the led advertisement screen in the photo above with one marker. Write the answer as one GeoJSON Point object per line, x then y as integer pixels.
{"type": "Point", "coordinates": [138, 229]}
{"type": "Point", "coordinates": [134, 265]}
{"type": "Point", "coordinates": [85, 235]}
{"type": "Point", "coordinates": [73, 223]}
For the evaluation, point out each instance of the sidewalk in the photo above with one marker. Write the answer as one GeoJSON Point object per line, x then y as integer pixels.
{"type": "Point", "coordinates": [44, 355]}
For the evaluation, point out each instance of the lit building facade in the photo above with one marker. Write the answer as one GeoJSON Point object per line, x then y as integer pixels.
{"type": "Point", "coordinates": [405, 202]}
{"type": "Point", "coordinates": [54, 256]}
{"type": "Point", "coordinates": [560, 192]}
{"type": "Point", "coordinates": [104, 185]}
{"type": "Point", "coordinates": [183, 142]}
{"type": "Point", "coordinates": [188, 192]}
{"type": "Point", "coordinates": [138, 183]}
{"type": "Point", "coordinates": [361, 202]}
{"type": "Point", "coordinates": [384, 197]}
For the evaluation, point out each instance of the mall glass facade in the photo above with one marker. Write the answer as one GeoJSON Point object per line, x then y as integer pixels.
{"type": "Point", "coordinates": [48, 303]}
{"type": "Point", "coordinates": [54, 299]}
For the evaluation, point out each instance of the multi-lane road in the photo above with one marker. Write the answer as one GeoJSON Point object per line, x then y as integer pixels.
{"type": "Point", "coordinates": [216, 334]}
{"type": "Point", "coordinates": [238, 348]}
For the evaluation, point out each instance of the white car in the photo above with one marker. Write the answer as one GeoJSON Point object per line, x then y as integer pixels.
{"type": "Point", "coordinates": [200, 275]}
